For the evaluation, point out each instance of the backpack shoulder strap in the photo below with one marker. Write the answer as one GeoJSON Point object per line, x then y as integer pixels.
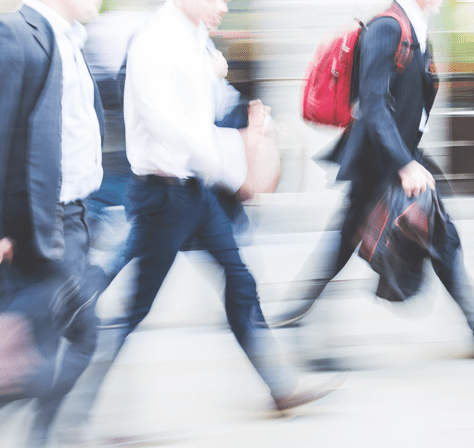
{"type": "Point", "coordinates": [404, 52]}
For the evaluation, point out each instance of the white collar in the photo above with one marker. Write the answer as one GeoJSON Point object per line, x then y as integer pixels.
{"type": "Point", "coordinates": [418, 18]}
{"type": "Point", "coordinates": [75, 31]}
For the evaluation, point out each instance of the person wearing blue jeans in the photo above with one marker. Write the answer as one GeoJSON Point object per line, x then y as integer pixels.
{"type": "Point", "coordinates": [178, 156]}
{"type": "Point", "coordinates": [166, 214]}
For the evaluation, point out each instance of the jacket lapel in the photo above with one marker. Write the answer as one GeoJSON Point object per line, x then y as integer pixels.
{"type": "Point", "coordinates": [423, 62]}
{"type": "Point", "coordinates": [44, 35]}
{"type": "Point", "coordinates": [430, 84]}
{"type": "Point", "coordinates": [44, 143]}
{"type": "Point", "coordinates": [97, 104]}
{"type": "Point", "coordinates": [41, 29]}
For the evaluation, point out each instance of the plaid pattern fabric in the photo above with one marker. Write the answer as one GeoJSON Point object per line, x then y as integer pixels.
{"type": "Point", "coordinates": [398, 234]}
{"type": "Point", "coordinates": [413, 224]}
{"type": "Point", "coordinates": [374, 229]}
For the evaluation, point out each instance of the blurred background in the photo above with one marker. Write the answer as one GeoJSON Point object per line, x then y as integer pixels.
{"type": "Point", "coordinates": [268, 44]}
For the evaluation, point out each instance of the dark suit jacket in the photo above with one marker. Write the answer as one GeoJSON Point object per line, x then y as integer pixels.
{"type": "Point", "coordinates": [385, 135]}
{"type": "Point", "coordinates": [30, 133]}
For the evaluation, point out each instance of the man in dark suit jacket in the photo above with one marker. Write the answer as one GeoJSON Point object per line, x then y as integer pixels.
{"type": "Point", "coordinates": [51, 130]}
{"type": "Point", "coordinates": [381, 146]}
{"type": "Point", "coordinates": [383, 140]}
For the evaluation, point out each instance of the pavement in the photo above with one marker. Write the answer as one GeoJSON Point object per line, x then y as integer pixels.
{"type": "Point", "coordinates": [193, 388]}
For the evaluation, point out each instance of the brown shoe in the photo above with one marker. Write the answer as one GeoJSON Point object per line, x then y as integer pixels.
{"type": "Point", "coordinates": [305, 393]}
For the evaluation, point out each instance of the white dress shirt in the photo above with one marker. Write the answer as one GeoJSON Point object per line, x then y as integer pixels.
{"type": "Point", "coordinates": [170, 105]}
{"type": "Point", "coordinates": [418, 19]}
{"type": "Point", "coordinates": [226, 96]}
{"type": "Point", "coordinates": [81, 161]}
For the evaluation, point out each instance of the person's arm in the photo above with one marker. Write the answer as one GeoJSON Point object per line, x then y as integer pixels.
{"type": "Point", "coordinates": [231, 107]}
{"type": "Point", "coordinates": [378, 47]}
{"type": "Point", "coordinates": [11, 74]}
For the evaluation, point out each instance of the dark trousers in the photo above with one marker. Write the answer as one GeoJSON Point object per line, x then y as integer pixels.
{"type": "Point", "coordinates": [58, 297]}
{"type": "Point", "coordinates": [447, 260]}
{"type": "Point", "coordinates": [166, 218]}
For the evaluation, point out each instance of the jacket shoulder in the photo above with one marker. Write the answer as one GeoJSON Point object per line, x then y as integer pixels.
{"type": "Point", "coordinates": [11, 35]}
{"type": "Point", "coordinates": [381, 37]}
{"type": "Point", "coordinates": [12, 22]}
{"type": "Point", "coordinates": [383, 25]}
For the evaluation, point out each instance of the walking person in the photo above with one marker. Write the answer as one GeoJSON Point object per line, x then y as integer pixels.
{"type": "Point", "coordinates": [50, 161]}
{"type": "Point", "coordinates": [381, 146]}
{"type": "Point", "coordinates": [231, 111]}
{"type": "Point", "coordinates": [177, 154]}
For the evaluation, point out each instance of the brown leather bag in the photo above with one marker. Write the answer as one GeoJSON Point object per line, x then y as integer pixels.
{"type": "Point", "coordinates": [19, 356]}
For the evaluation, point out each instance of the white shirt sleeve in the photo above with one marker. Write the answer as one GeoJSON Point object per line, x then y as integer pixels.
{"type": "Point", "coordinates": [227, 97]}
{"type": "Point", "coordinates": [234, 162]}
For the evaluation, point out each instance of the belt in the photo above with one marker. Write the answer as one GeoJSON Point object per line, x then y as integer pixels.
{"type": "Point", "coordinates": [162, 180]}
{"type": "Point", "coordinates": [79, 202]}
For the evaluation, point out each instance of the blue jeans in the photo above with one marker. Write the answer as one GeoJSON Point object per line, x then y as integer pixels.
{"type": "Point", "coordinates": [165, 218]}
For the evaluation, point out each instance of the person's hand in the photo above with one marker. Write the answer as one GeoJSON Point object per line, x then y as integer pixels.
{"type": "Point", "coordinates": [257, 126]}
{"type": "Point", "coordinates": [415, 179]}
{"type": "Point", "coordinates": [219, 64]}
{"type": "Point", "coordinates": [258, 112]}
{"type": "Point", "coordinates": [6, 250]}
{"type": "Point", "coordinates": [263, 161]}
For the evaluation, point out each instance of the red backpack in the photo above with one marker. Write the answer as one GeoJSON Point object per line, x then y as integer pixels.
{"type": "Point", "coordinates": [330, 83]}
